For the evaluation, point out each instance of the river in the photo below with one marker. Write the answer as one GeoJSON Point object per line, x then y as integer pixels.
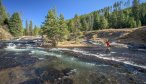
{"type": "Point", "coordinates": [35, 65]}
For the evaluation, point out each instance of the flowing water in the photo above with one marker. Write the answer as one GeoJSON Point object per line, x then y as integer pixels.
{"type": "Point", "coordinates": [35, 65]}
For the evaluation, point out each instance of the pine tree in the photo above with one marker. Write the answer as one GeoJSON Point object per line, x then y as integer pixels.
{"type": "Point", "coordinates": [36, 31]}
{"type": "Point", "coordinates": [15, 25]}
{"type": "Point", "coordinates": [27, 28]}
{"type": "Point", "coordinates": [77, 27]}
{"type": "Point", "coordinates": [136, 11]}
{"type": "Point", "coordinates": [97, 22]}
{"type": "Point", "coordinates": [121, 20]}
{"type": "Point", "coordinates": [139, 23]}
{"type": "Point", "coordinates": [103, 22]}
{"type": "Point", "coordinates": [24, 32]}
{"type": "Point", "coordinates": [50, 27]}
{"type": "Point", "coordinates": [30, 28]}
{"type": "Point", "coordinates": [132, 22]}
{"type": "Point", "coordinates": [143, 14]}
{"type": "Point", "coordinates": [144, 21]}
{"type": "Point", "coordinates": [63, 28]}
{"type": "Point", "coordinates": [113, 20]}
{"type": "Point", "coordinates": [90, 21]}
{"type": "Point", "coordinates": [85, 25]}
{"type": "Point", "coordinates": [70, 25]}
{"type": "Point", "coordinates": [3, 15]}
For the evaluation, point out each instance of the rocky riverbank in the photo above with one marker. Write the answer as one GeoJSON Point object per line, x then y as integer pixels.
{"type": "Point", "coordinates": [35, 74]}
{"type": "Point", "coordinates": [9, 60]}
{"type": "Point", "coordinates": [94, 54]}
{"type": "Point", "coordinates": [69, 66]}
{"type": "Point", "coordinates": [4, 35]}
{"type": "Point", "coordinates": [18, 68]}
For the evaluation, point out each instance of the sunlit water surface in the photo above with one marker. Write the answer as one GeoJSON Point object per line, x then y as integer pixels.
{"type": "Point", "coordinates": [85, 72]}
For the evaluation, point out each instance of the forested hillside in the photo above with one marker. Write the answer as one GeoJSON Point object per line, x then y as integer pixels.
{"type": "Point", "coordinates": [10, 23]}
{"type": "Point", "coordinates": [120, 15]}
{"type": "Point", "coordinates": [13, 24]}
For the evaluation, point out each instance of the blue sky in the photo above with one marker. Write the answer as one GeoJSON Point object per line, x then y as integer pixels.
{"type": "Point", "coordinates": [36, 10]}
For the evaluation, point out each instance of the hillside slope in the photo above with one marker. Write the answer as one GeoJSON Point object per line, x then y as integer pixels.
{"type": "Point", "coordinates": [134, 35]}
{"type": "Point", "coordinates": [111, 34]}
{"type": "Point", "coordinates": [137, 37]}
{"type": "Point", "coordinates": [4, 35]}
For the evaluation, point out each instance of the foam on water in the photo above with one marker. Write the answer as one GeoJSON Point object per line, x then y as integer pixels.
{"type": "Point", "coordinates": [103, 56]}
{"type": "Point", "coordinates": [11, 46]}
{"type": "Point", "coordinates": [40, 52]}
{"type": "Point", "coordinates": [102, 65]}
{"type": "Point", "coordinates": [41, 58]}
{"type": "Point", "coordinates": [82, 63]}
{"type": "Point", "coordinates": [28, 46]}
{"type": "Point", "coordinates": [72, 59]}
{"type": "Point", "coordinates": [113, 52]}
{"type": "Point", "coordinates": [141, 49]}
{"type": "Point", "coordinates": [91, 64]}
{"type": "Point", "coordinates": [15, 49]}
{"type": "Point", "coordinates": [119, 44]}
{"type": "Point", "coordinates": [61, 56]}
{"type": "Point", "coordinates": [58, 49]}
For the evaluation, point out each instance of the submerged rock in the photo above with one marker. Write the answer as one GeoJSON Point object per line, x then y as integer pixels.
{"type": "Point", "coordinates": [66, 81]}
{"type": "Point", "coordinates": [33, 81]}
{"type": "Point", "coordinates": [7, 63]}
{"type": "Point", "coordinates": [54, 76]}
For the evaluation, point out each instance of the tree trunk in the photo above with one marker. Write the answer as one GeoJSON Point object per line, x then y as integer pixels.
{"type": "Point", "coordinates": [54, 43]}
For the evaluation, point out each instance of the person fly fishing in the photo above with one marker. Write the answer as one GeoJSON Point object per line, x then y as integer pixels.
{"type": "Point", "coordinates": [107, 43]}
